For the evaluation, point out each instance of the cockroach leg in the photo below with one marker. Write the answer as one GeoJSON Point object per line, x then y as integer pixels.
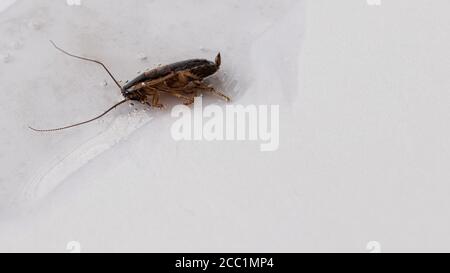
{"type": "Point", "coordinates": [220, 94]}
{"type": "Point", "coordinates": [172, 92]}
{"type": "Point", "coordinates": [155, 101]}
{"type": "Point", "coordinates": [208, 88]}
{"type": "Point", "coordinates": [188, 100]}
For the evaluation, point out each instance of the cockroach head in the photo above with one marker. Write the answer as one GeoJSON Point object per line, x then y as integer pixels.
{"type": "Point", "coordinates": [130, 94]}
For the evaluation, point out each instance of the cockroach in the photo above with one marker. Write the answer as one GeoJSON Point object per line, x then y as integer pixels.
{"type": "Point", "coordinates": [183, 80]}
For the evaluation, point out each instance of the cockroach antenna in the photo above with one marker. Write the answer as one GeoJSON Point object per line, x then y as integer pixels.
{"type": "Point", "coordinates": [89, 60]}
{"type": "Point", "coordinates": [80, 123]}
{"type": "Point", "coordinates": [93, 119]}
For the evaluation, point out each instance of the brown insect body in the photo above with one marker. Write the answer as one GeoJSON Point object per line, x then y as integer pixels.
{"type": "Point", "coordinates": [183, 80]}
{"type": "Point", "coordinates": [200, 67]}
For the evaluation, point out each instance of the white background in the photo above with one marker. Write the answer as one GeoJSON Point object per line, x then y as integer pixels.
{"type": "Point", "coordinates": [364, 128]}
